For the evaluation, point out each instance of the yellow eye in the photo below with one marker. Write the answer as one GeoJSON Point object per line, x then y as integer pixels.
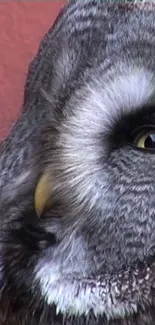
{"type": "Point", "coordinates": [146, 140]}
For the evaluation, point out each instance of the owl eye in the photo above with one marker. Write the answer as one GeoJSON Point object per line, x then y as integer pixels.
{"type": "Point", "coordinates": [145, 139]}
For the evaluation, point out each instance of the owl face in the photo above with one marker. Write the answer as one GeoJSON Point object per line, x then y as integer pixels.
{"type": "Point", "coordinates": [99, 179]}
{"type": "Point", "coordinates": [92, 247]}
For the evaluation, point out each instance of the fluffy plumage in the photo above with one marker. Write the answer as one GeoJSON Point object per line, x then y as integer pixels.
{"type": "Point", "coordinates": [90, 258]}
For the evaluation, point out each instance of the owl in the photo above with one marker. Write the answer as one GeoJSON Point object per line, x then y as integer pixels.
{"type": "Point", "coordinates": [77, 174]}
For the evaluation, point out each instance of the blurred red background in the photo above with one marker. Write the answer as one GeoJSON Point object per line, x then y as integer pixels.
{"type": "Point", "coordinates": [22, 25]}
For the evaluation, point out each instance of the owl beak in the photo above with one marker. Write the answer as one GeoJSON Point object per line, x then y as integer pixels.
{"type": "Point", "coordinates": [42, 198]}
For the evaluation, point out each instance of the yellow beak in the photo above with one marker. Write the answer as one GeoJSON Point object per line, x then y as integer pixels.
{"type": "Point", "coordinates": [42, 198]}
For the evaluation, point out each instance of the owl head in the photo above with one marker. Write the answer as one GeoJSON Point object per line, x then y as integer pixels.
{"type": "Point", "coordinates": [86, 245]}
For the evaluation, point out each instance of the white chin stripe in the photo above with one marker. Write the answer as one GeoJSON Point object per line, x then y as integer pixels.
{"type": "Point", "coordinates": [75, 297]}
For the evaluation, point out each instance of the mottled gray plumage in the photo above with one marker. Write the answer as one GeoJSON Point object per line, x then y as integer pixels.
{"type": "Point", "coordinates": [90, 258]}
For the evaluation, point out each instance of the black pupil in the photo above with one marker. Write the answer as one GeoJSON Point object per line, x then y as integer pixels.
{"type": "Point", "coordinates": [150, 141]}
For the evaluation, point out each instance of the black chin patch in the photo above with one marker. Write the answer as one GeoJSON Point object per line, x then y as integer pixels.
{"type": "Point", "coordinates": [28, 234]}
{"type": "Point", "coordinates": [24, 242]}
{"type": "Point", "coordinates": [33, 238]}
